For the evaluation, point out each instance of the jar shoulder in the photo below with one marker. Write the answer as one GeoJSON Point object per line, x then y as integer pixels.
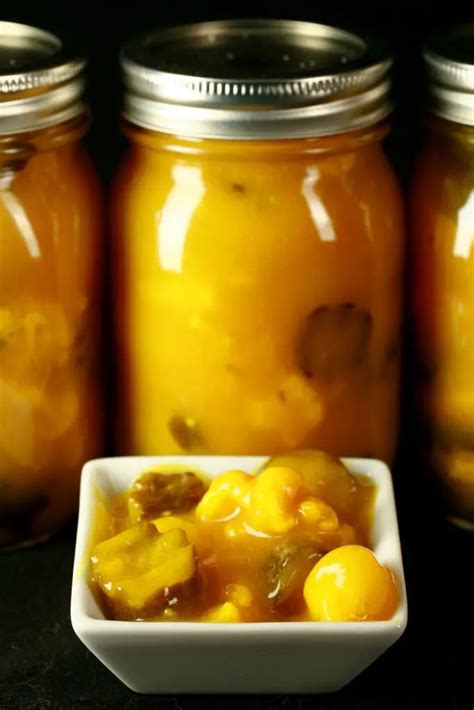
{"type": "Point", "coordinates": [364, 177]}
{"type": "Point", "coordinates": [442, 188]}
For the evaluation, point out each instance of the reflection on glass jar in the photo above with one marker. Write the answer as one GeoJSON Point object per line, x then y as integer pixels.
{"type": "Point", "coordinates": [257, 281]}
{"type": "Point", "coordinates": [50, 409]}
{"type": "Point", "coordinates": [443, 275]}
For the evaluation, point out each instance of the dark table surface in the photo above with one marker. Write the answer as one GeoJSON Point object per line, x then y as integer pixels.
{"type": "Point", "coordinates": [43, 666]}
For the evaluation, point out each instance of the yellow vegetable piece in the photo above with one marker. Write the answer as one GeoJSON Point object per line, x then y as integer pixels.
{"type": "Point", "coordinates": [274, 500]}
{"type": "Point", "coordinates": [324, 476]}
{"type": "Point", "coordinates": [173, 522]}
{"type": "Point", "coordinates": [240, 595]}
{"type": "Point", "coordinates": [316, 512]}
{"type": "Point", "coordinates": [273, 503]}
{"type": "Point", "coordinates": [226, 613]}
{"type": "Point", "coordinates": [136, 568]}
{"type": "Point", "coordinates": [349, 584]}
{"type": "Point", "coordinates": [227, 493]}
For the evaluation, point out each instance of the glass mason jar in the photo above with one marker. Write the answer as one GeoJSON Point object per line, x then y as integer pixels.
{"type": "Point", "coordinates": [442, 218]}
{"type": "Point", "coordinates": [50, 262]}
{"type": "Point", "coordinates": [258, 244]}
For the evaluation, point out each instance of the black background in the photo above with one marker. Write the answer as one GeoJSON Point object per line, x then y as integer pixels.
{"type": "Point", "coordinates": [42, 665]}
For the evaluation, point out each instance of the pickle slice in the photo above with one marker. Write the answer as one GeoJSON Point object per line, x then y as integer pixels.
{"type": "Point", "coordinates": [154, 494]}
{"type": "Point", "coordinates": [285, 575]}
{"type": "Point", "coordinates": [140, 571]}
{"type": "Point", "coordinates": [186, 433]}
{"type": "Point", "coordinates": [335, 340]}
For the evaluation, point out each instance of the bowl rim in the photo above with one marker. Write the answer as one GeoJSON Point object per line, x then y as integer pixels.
{"type": "Point", "coordinates": [385, 520]}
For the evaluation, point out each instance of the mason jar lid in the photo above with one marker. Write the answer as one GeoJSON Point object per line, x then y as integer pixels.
{"type": "Point", "coordinates": [449, 58]}
{"type": "Point", "coordinates": [39, 85]}
{"type": "Point", "coordinates": [255, 79]}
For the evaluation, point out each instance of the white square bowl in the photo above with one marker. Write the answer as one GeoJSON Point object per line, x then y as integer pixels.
{"type": "Point", "coordinates": [199, 657]}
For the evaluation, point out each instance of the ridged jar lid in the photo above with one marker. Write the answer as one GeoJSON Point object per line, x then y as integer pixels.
{"type": "Point", "coordinates": [449, 58]}
{"type": "Point", "coordinates": [39, 85]}
{"type": "Point", "coordinates": [255, 79]}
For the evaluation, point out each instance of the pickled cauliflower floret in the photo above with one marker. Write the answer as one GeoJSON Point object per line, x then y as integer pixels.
{"type": "Point", "coordinates": [226, 613]}
{"type": "Point", "coordinates": [139, 569]}
{"type": "Point", "coordinates": [291, 391]}
{"type": "Point", "coordinates": [227, 494]}
{"type": "Point", "coordinates": [274, 502]}
{"type": "Point", "coordinates": [315, 511]}
{"type": "Point", "coordinates": [350, 584]}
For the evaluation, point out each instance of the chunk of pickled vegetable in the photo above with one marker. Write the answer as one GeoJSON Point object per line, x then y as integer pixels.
{"type": "Point", "coordinates": [274, 499]}
{"type": "Point", "coordinates": [226, 613]}
{"type": "Point", "coordinates": [240, 595]}
{"type": "Point", "coordinates": [350, 584]}
{"type": "Point", "coordinates": [324, 476]}
{"type": "Point", "coordinates": [139, 570]}
{"type": "Point", "coordinates": [319, 515]}
{"type": "Point", "coordinates": [154, 494]}
{"type": "Point", "coordinates": [171, 522]}
{"type": "Point", "coordinates": [186, 433]}
{"type": "Point", "coordinates": [285, 574]}
{"type": "Point", "coordinates": [335, 340]}
{"type": "Point", "coordinates": [227, 494]}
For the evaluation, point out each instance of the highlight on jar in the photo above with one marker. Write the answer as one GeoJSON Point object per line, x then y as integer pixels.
{"type": "Point", "coordinates": [258, 244]}
{"type": "Point", "coordinates": [289, 541]}
{"type": "Point", "coordinates": [442, 221]}
{"type": "Point", "coordinates": [50, 286]}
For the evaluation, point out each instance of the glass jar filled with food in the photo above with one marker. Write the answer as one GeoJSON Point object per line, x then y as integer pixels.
{"type": "Point", "coordinates": [443, 273]}
{"type": "Point", "coordinates": [50, 224]}
{"type": "Point", "coordinates": [258, 243]}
